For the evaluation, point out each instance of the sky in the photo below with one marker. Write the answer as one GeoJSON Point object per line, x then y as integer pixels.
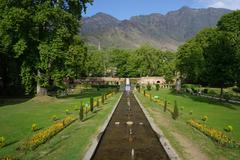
{"type": "Point", "coordinates": [124, 9]}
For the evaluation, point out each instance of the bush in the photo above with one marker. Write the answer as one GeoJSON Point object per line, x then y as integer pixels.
{"type": "Point", "coordinates": [2, 142]}
{"type": "Point", "coordinates": [204, 118]}
{"type": "Point", "coordinates": [138, 87]}
{"type": "Point", "coordinates": [103, 99]}
{"type": "Point", "coordinates": [228, 128]}
{"type": "Point", "coordinates": [91, 104]}
{"type": "Point", "coordinates": [54, 118]}
{"type": "Point", "coordinates": [175, 113]}
{"type": "Point", "coordinates": [149, 87]}
{"type": "Point", "coordinates": [81, 113]}
{"type": "Point", "coordinates": [236, 89]}
{"type": "Point", "coordinates": [191, 112]}
{"type": "Point", "coordinates": [157, 87]}
{"type": "Point", "coordinates": [34, 127]}
{"type": "Point", "coordinates": [189, 90]}
{"type": "Point", "coordinates": [205, 91]}
{"type": "Point", "coordinates": [212, 92]}
{"type": "Point", "coordinates": [165, 106]}
{"type": "Point", "coordinates": [67, 111]}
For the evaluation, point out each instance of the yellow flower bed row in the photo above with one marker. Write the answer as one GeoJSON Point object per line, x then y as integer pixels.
{"type": "Point", "coordinates": [44, 135]}
{"type": "Point", "coordinates": [214, 134]}
{"type": "Point", "coordinates": [109, 94]}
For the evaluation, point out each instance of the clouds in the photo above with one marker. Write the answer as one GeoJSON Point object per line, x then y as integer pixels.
{"type": "Point", "coordinates": [230, 4]}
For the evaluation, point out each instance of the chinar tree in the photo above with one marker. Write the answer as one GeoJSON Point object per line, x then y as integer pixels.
{"type": "Point", "coordinates": [212, 57]}
{"type": "Point", "coordinates": [40, 35]}
{"type": "Point", "coordinates": [231, 23]}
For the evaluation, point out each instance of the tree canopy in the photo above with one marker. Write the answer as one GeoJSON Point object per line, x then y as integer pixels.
{"type": "Point", "coordinates": [212, 56]}
{"type": "Point", "coordinates": [39, 38]}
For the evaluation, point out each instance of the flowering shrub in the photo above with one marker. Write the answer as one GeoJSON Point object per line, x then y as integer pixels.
{"type": "Point", "coordinates": [44, 135]}
{"type": "Point", "coordinates": [2, 142]}
{"type": "Point", "coordinates": [34, 127]}
{"type": "Point", "coordinates": [214, 134]}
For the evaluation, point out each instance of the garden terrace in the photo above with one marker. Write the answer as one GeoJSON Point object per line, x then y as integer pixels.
{"type": "Point", "coordinates": [17, 119]}
{"type": "Point", "coordinates": [188, 141]}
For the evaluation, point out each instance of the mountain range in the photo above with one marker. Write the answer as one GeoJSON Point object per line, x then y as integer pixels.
{"type": "Point", "coordinates": [162, 31]}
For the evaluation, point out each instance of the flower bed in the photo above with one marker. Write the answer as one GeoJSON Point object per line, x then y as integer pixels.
{"type": "Point", "coordinates": [213, 133]}
{"type": "Point", "coordinates": [44, 135]}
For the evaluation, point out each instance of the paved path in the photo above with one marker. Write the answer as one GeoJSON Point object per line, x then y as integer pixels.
{"type": "Point", "coordinates": [129, 142]}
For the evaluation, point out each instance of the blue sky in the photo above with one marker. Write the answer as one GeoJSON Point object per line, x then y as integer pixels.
{"type": "Point", "coordinates": [124, 9]}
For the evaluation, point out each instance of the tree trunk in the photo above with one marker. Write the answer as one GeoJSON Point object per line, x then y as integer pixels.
{"type": "Point", "coordinates": [41, 91]}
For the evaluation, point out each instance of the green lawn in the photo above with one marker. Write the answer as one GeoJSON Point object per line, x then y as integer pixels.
{"type": "Point", "coordinates": [219, 115]}
{"type": "Point", "coordinates": [16, 121]}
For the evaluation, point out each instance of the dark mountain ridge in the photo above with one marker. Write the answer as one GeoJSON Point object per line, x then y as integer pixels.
{"type": "Point", "coordinates": [162, 31]}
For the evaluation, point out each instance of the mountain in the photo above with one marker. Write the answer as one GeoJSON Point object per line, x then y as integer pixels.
{"type": "Point", "coordinates": [162, 31]}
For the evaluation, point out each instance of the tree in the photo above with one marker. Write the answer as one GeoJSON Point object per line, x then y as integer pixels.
{"type": "Point", "coordinates": [190, 61]}
{"type": "Point", "coordinates": [38, 34]}
{"type": "Point", "coordinates": [231, 23]}
{"type": "Point", "coordinates": [220, 59]}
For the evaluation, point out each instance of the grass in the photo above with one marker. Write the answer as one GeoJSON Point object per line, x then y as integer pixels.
{"type": "Point", "coordinates": [220, 115]}
{"type": "Point", "coordinates": [16, 121]}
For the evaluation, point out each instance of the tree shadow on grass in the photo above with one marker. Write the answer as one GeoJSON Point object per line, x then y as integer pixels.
{"type": "Point", "coordinates": [85, 94]}
{"type": "Point", "coordinates": [11, 143]}
{"type": "Point", "coordinates": [206, 100]}
{"type": "Point", "coordinates": [89, 117]}
{"type": "Point", "coordinates": [12, 101]}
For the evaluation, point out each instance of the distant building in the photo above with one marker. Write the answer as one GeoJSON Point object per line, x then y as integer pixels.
{"type": "Point", "coordinates": [151, 80]}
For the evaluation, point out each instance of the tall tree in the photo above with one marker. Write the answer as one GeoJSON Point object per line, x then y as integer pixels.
{"type": "Point", "coordinates": [231, 23]}
{"type": "Point", "coordinates": [220, 60]}
{"type": "Point", "coordinates": [38, 35]}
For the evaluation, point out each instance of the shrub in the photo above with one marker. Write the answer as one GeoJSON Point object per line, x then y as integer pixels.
{"type": "Point", "coordinates": [144, 93]}
{"type": "Point", "coordinates": [182, 108]}
{"type": "Point", "coordinates": [204, 118]}
{"type": "Point", "coordinates": [98, 103]}
{"type": "Point", "coordinates": [76, 108]}
{"type": "Point", "coordinates": [149, 87]}
{"type": "Point", "coordinates": [191, 112]}
{"type": "Point", "coordinates": [165, 105]}
{"type": "Point", "coordinates": [157, 87]}
{"type": "Point", "coordinates": [54, 118]}
{"type": "Point", "coordinates": [228, 128]}
{"type": "Point", "coordinates": [34, 127]}
{"type": "Point", "coordinates": [103, 99]}
{"type": "Point", "coordinates": [81, 113]}
{"type": "Point", "coordinates": [67, 111]}
{"type": "Point", "coordinates": [91, 104]}
{"type": "Point", "coordinates": [175, 113]}
{"type": "Point", "coordinates": [2, 142]}
{"type": "Point", "coordinates": [212, 92]}
{"type": "Point", "coordinates": [236, 89]}
{"type": "Point", "coordinates": [138, 87]}
{"type": "Point", "coordinates": [205, 91]}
